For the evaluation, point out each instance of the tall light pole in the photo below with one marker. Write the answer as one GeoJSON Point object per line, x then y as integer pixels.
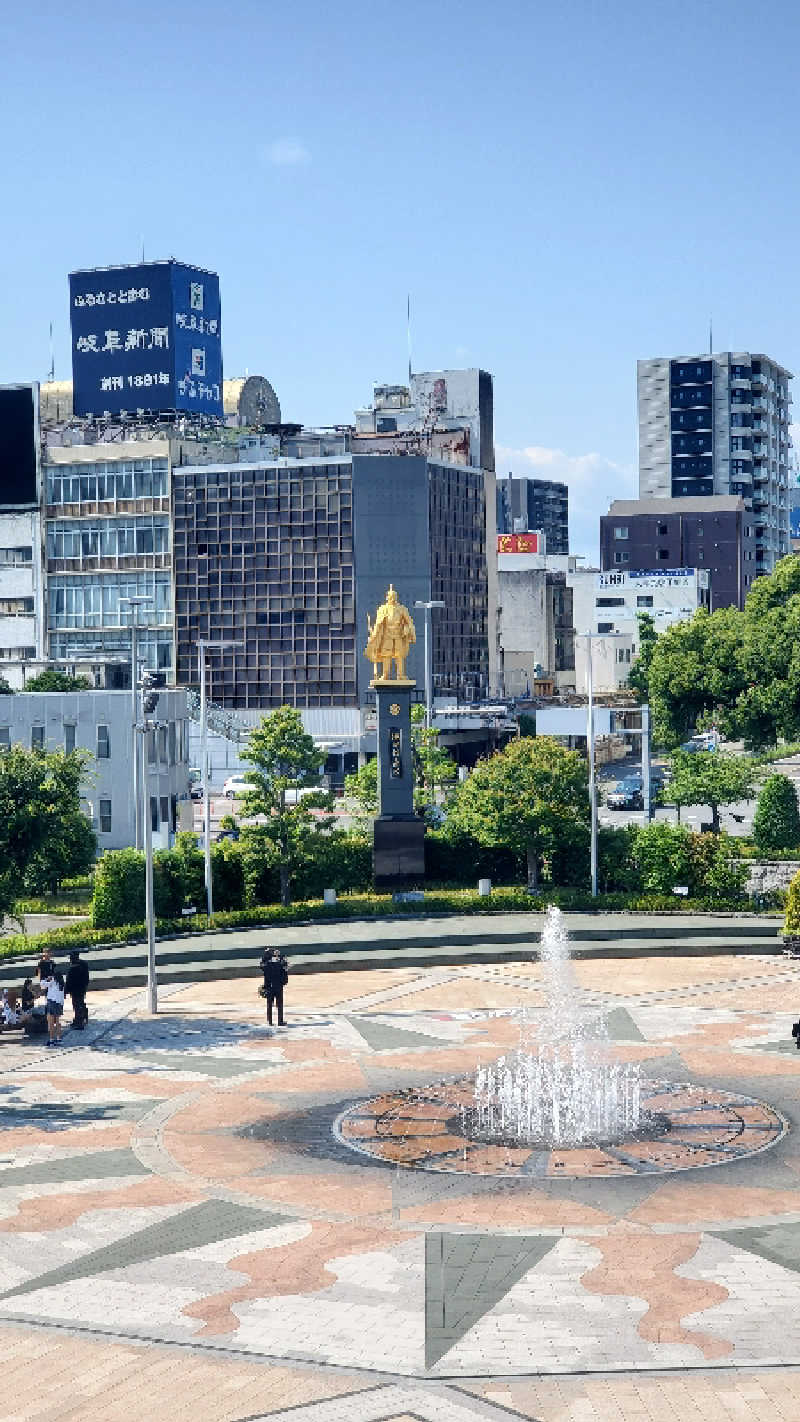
{"type": "Point", "coordinates": [428, 606]}
{"type": "Point", "coordinates": [590, 638]}
{"type": "Point", "coordinates": [204, 647]}
{"type": "Point", "coordinates": [134, 603]}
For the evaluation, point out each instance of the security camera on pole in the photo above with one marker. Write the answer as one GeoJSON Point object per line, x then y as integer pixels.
{"type": "Point", "coordinates": [152, 682]}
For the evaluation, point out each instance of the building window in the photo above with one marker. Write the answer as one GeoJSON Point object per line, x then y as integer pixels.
{"type": "Point", "coordinates": [644, 600]}
{"type": "Point", "coordinates": [165, 809]}
{"type": "Point", "coordinates": [621, 530]}
{"type": "Point", "coordinates": [622, 557]}
{"type": "Point", "coordinates": [154, 814]}
{"type": "Point", "coordinates": [103, 743]}
{"type": "Point", "coordinates": [69, 737]}
{"type": "Point", "coordinates": [105, 816]}
{"type": "Point", "coordinates": [662, 530]}
{"type": "Point", "coordinates": [663, 555]}
{"type": "Point", "coordinates": [37, 737]}
{"type": "Point", "coordinates": [610, 602]}
{"type": "Point", "coordinates": [605, 627]}
{"type": "Point", "coordinates": [5, 737]}
{"type": "Point", "coordinates": [15, 557]}
{"type": "Point", "coordinates": [16, 607]}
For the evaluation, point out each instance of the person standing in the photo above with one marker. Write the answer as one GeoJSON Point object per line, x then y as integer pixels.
{"type": "Point", "coordinates": [76, 985]}
{"type": "Point", "coordinates": [276, 975]}
{"type": "Point", "coordinates": [45, 966]}
{"type": "Point", "coordinates": [54, 1003]}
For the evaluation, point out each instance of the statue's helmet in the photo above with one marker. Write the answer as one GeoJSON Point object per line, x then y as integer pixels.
{"type": "Point", "coordinates": [391, 595]}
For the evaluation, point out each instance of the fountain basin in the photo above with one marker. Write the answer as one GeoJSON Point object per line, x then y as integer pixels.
{"type": "Point", "coordinates": [682, 1127]}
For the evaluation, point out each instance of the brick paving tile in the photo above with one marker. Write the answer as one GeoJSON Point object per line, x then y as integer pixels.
{"type": "Point", "coordinates": [50, 1377]}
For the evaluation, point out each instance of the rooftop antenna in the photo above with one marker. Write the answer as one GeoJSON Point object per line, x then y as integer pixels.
{"type": "Point", "coordinates": [51, 374]}
{"type": "Point", "coordinates": [142, 240]}
{"type": "Point", "coordinates": [408, 328]}
{"type": "Point", "coordinates": [710, 335]}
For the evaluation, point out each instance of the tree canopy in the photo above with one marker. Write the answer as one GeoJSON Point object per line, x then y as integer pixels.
{"type": "Point", "coordinates": [285, 760]}
{"type": "Point", "coordinates": [776, 823]}
{"type": "Point", "coordinates": [44, 835]}
{"type": "Point", "coordinates": [710, 778]}
{"type": "Point", "coordinates": [639, 677]}
{"type": "Point", "coordinates": [741, 668]}
{"type": "Point", "coordinates": [53, 680]}
{"type": "Point", "coordinates": [533, 796]}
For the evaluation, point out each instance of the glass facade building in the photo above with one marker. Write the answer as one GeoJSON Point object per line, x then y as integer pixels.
{"type": "Point", "coordinates": [286, 557]}
{"type": "Point", "coordinates": [264, 557]}
{"type": "Point", "coordinates": [108, 537]}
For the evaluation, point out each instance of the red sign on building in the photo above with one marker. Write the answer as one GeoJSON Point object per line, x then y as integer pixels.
{"type": "Point", "coordinates": [520, 543]}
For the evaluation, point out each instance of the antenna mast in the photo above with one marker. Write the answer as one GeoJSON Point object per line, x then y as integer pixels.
{"type": "Point", "coordinates": [408, 330]}
{"type": "Point", "coordinates": [51, 375]}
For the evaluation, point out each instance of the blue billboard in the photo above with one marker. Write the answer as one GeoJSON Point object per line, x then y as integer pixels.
{"type": "Point", "coordinates": [146, 340]}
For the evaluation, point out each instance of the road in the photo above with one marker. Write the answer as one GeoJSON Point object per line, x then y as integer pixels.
{"type": "Point", "coordinates": [736, 818]}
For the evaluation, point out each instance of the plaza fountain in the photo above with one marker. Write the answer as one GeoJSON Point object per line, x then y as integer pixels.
{"type": "Point", "coordinates": [561, 1104]}
{"type": "Point", "coordinates": [561, 1086]}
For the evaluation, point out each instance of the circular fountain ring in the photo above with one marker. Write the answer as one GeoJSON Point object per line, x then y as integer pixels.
{"type": "Point", "coordinates": [683, 1127]}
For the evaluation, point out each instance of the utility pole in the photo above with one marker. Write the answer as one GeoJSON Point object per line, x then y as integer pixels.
{"type": "Point", "coordinates": [151, 684]}
{"type": "Point", "coordinates": [204, 647]}
{"type": "Point", "coordinates": [428, 606]}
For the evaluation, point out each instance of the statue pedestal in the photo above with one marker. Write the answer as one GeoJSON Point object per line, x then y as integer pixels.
{"type": "Point", "coordinates": [398, 853]}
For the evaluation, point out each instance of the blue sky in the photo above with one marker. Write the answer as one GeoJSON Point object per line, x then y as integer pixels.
{"type": "Point", "coordinates": [561, 189]}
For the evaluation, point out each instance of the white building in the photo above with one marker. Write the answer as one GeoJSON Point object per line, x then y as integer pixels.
{"type": "Point", "coordinates": [608, 605]}
{"type": "Point", "coordinates": [535, 620]}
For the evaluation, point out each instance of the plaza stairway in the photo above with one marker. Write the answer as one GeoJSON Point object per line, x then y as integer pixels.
{"type": "Point", "coordinates": [405, 942]}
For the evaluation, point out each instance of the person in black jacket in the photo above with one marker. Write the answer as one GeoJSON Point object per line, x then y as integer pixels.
{"type": "Point", "coordinates": [76, 984]}
{"type": "Point", "coordinates": [276, 976]}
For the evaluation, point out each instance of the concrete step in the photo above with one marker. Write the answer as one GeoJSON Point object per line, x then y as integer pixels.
{"type": "Point", "coordinates": [130, 970]}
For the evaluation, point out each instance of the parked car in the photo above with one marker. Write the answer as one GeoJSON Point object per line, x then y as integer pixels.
{"type": "Point", "coordinates": [627, 793]}
{"type": "Point", "coordinates": [196, 790]}
{"type": "Point", "coordinates": [236, 785]}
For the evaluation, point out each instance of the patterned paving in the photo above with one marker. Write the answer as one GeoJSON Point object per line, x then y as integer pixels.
{"type": "Point", "coordinates": [685, 1128]}
{"type": "Point", "coordinates": [179, 1181]}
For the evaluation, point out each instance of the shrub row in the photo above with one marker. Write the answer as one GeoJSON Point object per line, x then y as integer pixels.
{"type": "Point", "coordinates": [361, 906]}
{"type": "Point", "coordinates": [642, 861]}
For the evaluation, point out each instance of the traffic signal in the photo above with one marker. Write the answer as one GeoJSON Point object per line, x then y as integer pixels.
{"type": "Point", "coordinates": [152, 681]}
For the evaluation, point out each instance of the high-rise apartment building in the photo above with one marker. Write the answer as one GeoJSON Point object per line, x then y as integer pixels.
{"type": "Point", "coordinates": [719, 424]}
{"type": "Point", "coordinates": [528, 505]}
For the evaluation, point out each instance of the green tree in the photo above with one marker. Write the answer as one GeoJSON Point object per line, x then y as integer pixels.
{"type": "Point", "coordinates": [44, 835]}
{"type": "Point", "coordinates": [52, 680]}
{"type": "Point", "coordinates": [710, 778]}
{"type": "Point", "coordinates": [362, 786]}
{"type": "Point", "coordinates": [531, 797]}
{"type": "Point", "coordinates": [776, 823]}
{"type": "Point", "coordinates": [696, 668]}
{"type": "Point", "coordinates": [434, 766]}
{"type": "Point", "coordinates": [5, 689]}
{"type": "Point", "coordinates": [285, 761]}
{"type": "Point", "coordinates": [639, 677]}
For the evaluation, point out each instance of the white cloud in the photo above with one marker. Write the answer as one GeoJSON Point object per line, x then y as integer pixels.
{"type": "Point", "coordinates": [593, 481]}
{"type": "Point", "coordinates": [287, 153]}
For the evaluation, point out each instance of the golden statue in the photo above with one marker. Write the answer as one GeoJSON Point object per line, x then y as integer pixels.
{"type": "Point", "coordinates": [390, 636]}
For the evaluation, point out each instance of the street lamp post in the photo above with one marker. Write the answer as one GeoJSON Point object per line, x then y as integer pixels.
{"type": "Point", "coordinates": [428, 606]}
{"type": "Point", "coordinates": [590, 638]}
{"type": "Point", "coordinates": [134, 603]}
{"type": "Point", "coordinates": [206, 646]}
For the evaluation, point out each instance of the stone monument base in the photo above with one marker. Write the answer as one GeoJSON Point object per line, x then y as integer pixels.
{"type": "Point", "coordinates": [398, 852]}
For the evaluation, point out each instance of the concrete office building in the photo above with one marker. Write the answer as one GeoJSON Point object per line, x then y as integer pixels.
{"type": "Point", "coordinates": [537, 642]}
{"type": "Point", "coordinates": [447, 414]}
{"type": "Point", "coordinates": [719, 425]}
{"type": "Point", "coordinates": [527, 505]}
{"type": "Point", "coordinates": [100, 723]}
{"type": "Point", "coordinates": [608, 604]}
{"type": "Point", "coordinates": [715, 534]}
{"type": "Point", "coordinates": [286, 557]}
